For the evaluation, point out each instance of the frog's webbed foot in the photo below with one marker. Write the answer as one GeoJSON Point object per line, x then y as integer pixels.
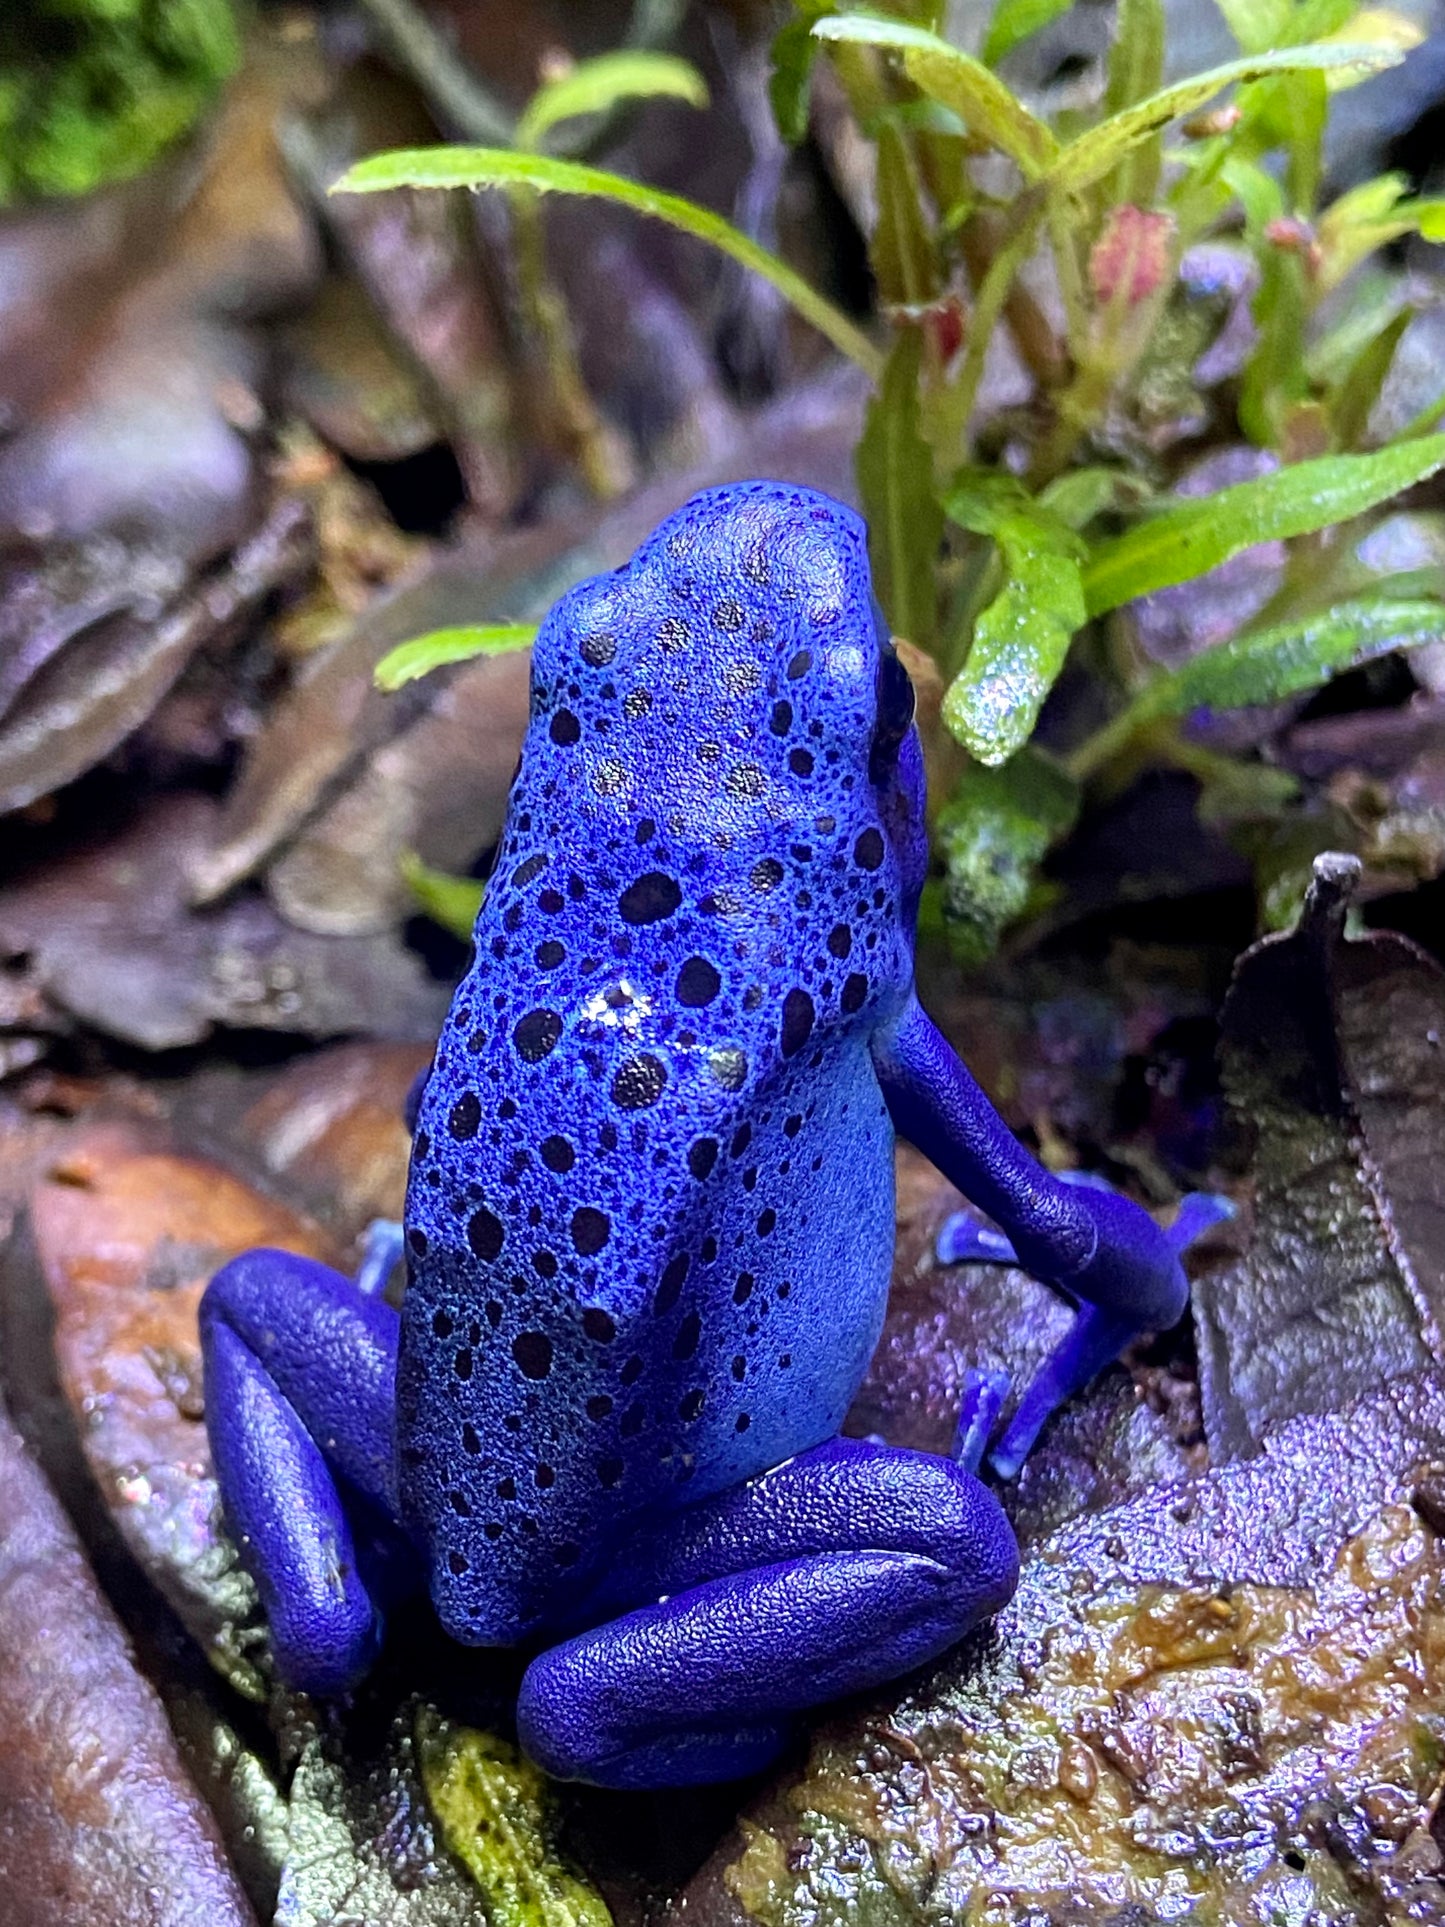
{"type": "Point", "coordinates": [1093, 1341]}
{"type": "Point", "coordinates": [1101, 1249]}
{"type": "Point", "coordinates": [842, 1568]}
{"type": "Point", "coordinates": [300, 1372]}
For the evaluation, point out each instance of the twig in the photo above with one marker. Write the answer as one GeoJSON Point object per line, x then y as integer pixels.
{"type": "Point", "coordinates": [464, 103]}
{"type": "Point", "coordinates": [447, 82]}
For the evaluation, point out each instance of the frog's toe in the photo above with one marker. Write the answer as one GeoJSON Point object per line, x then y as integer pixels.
{"type": "Point", "coordinates": [984, 1393]}
{"type": "Point", "coordinates": [299, 1370]}
{"type": "Point", "coordinates": [282, 1505]}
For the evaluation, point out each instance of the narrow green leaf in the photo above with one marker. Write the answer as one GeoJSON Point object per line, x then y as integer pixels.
{"type": "Point", "coordinates": [1091, 156]}
{"type": "Point", "coordinates": [1258, 193]}
{"type": "Point", "coordinates": [1136, 70]}
{"type": "Point", "coordinates": [1185, 540]}
{"type": "Point", "coordinates": [905, 256]}
{"type": "Point", "coordinates": [1367, 218]}
{"type": "Point", "coordinates": [956, 80]}
{"type": "Point", "coordinates": [1266, 665]}
{"type": "Point", "coordinates": [1257, 25]}
{"type": "Point", "coordinates": [422, 654]}
{"type": "Point", "coordinates": [1081, 494]}
{"type": "Point", "coordinates": [1274, 377]}
{"type": "Point", "coordinates": [594, 86]}
{"type": "Point", "coordinates": [1288, 658]}
{"type": "Point", "coordinates": [895, 481]}
{"type": "Point", "coordinates": [794, 51]}
{"type": "Point", "coordinates": [453, 902]}
{"type": "Point", "coordinates": [501, 167]}
{"type": "Point", "coordinates": [993, 833]}
{"type": "Point", "coordinates": [1015, 21]}
{"type": "Point", "coordinates": [1347, 20]}
{"type": "Point", "coordinates": [1021, 639]}
{"type": "Point", "coordinates": [1355, 395]}
{"type": "Point", "coordinates": [1371, 300]}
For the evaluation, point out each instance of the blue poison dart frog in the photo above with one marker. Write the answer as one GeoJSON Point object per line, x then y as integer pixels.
{"type": "Point", "coordinates": [650, 1216]}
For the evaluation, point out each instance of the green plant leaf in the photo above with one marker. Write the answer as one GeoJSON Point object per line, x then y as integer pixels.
{"type": "Point", "coordinates": [1021, 638]}
{"type": "Point", "coordinates": [1015, 21]}
{"type": "Point", "coordinates": [1369, 217]}
{"type": "Point", "coordinates": [904, 253]}
{"type": "Point", "coordinates": [501, 167]}
{"type": "Point", "coordinates": [1188, 538]}
{"type": "Point", "coordinates": [453, 902]}
{"type": "Point", "coordinates": [794, 50]}
{"type": "Point", "coordinates": [1257, 25]}
{"type": "Point", "coordinates": [500, 1816]}
{"type": "Point", "coordinates": [1266, 665]}
{"type": "Point", "coordinates": [1258, 193]}
{"type": "Point", "coordinates": [1136, 70]}
{"type": "Point", "coordinates": [993, 834]}
{"type": "Point", "coordinates": [956, 80]}
{"type": "Point", "coordinates": [895, 481]}
{"type": "Point", "coordinates": [438, 647]}
{"type": "Point", "coordinates": [1080, 494]}
{"type": "Point", "coordinates": [1091, 156]}
{"type": "Point", "coordinates": [1358, 389]}
{"type": "Point", "coordinates": [594, 86]}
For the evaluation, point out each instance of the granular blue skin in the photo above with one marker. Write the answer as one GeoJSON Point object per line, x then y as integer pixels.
{"type": "Point", "coordinates": [650, 1216]}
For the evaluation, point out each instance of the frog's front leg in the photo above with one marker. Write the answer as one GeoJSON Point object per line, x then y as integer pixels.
{"type": "Point", "coordinates": [844, 1567]}
{"type": "Point", "coordinates": [1098, 1247]}
{"type": "Point", "coordinates": [300, 1375]}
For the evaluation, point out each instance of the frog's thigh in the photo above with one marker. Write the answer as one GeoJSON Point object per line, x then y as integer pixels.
{"type": "Point", "coordinates": [300, 1372]}
{"type": "Point", "coordinates": [846, 1566]}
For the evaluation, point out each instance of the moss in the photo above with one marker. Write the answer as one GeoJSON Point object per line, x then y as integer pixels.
{"type": "Point", "coordinates": [92, 91]}
{"type": "Point", "coordinates": [497, 1816]}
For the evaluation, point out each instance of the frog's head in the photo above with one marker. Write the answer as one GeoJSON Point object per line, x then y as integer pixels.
{"type": "Point", "coordinates": [738, 670]}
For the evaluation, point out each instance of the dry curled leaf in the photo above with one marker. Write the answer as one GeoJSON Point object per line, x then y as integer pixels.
{"type": "Point", "coordinates": [100, 1825]}
{"type": "Point", "coordinates": [106, 935]}
{"type": "Point", "coordinates": [1331, 1053]}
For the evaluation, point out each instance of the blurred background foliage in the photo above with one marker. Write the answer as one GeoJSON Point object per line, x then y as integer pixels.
{"type": "Point", "coordinates": [92, 91]}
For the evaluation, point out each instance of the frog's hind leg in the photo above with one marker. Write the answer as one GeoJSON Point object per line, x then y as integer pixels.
{"type": "Point", "coordinates": [1101, 1249]}
{"type": "Point", "coordinates": [842, 1568]}
{"type": "Point", "coordinates": [300, 1372]}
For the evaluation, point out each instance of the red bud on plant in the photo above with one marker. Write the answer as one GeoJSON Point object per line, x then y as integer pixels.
{"type": "Point", "coordinates": [1131, 256]}
{"type": "Point", "coordinates": [1294, 236]}
{"type": "Point", "coordinates": [944, 326]}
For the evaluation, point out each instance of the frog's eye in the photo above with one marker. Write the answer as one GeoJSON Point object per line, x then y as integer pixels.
{"type": "Point", "coordinates": [894, 711]}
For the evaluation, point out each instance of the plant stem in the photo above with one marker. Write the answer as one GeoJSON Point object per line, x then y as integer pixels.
{"type": "Point", "coordinates": [582, 429]}
{"type": "Point", "coordinates": [1090, 756]}
{"type": "Point", "coordinates": [1071, 281]}
{"type": "Point", "coordinates": [1042, 352]}
{"type": "Point", "coordinates": [989, 302]}
{"type": "Point", "coordinates": [446, 81]}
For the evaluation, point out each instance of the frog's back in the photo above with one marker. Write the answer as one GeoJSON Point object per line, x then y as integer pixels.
{"type": "Point", "coordinates": [651, 1200]}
